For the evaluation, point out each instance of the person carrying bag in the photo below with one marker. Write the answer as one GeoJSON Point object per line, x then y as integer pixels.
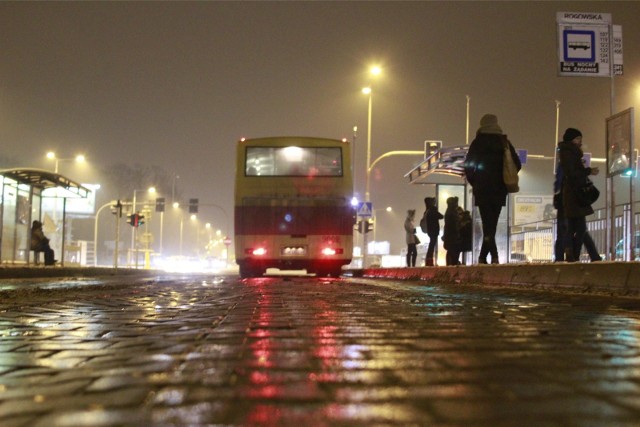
{"type": "Point", "coordinates": [577, 192]}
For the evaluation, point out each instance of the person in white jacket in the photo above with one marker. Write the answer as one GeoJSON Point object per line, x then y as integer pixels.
{"type": "Point", "coordinates": [412, 239]}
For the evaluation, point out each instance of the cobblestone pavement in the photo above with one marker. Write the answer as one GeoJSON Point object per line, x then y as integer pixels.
{"type": "Point", "coordinates": [285, 351]}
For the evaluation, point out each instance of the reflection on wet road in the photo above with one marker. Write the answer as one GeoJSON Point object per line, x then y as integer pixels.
{"type": "Point", "coordinates": [280, 351]}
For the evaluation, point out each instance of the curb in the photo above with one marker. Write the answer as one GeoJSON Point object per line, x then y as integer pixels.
{"type": "Point", "coordinates": [612, 278]}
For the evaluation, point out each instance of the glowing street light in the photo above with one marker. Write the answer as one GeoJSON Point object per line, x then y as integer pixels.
{"type": "Point", "coordinates": [52, 156]}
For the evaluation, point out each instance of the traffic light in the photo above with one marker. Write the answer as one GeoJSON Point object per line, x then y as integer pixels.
{"type": "Point", "coordinates": [135, 219]}
{"type": "Point", "coordinates": [160, 204]}
{"type": "Point", "coordinates": [368, 226]}
{"type": "Point", "coordinates": [117, 209]}
{"type": "Point", "coordinates": [193, 206]}
{"type": "Point", "coordinates": [364, 226]}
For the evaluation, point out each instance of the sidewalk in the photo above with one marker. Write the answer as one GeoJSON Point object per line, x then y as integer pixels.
{"type": "Point", "coordinates": [606, 278]}
{"type": "Point", "coordinates": [22, 271]}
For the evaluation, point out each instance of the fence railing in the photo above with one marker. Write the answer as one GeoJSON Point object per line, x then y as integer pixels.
{"type": "Point", "coordinates": [534, 242]}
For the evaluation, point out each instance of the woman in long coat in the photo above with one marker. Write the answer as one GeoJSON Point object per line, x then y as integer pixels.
{"type": "Point", "coordinates": [575, 176]}
{"type": "Point", "coordinates": [483, 170]}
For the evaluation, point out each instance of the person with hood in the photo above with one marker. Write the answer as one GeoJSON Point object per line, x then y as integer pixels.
{"type": "Point", "coordinates": [483, 168]}
{"type": "Point", "coordinates": [561, 226]}
{"type": "Point", "coordinates": [411, 238]}
{"type": "Point", "coordinates": [432, 221]}
{"type": "Point", "coordinates": [40, 243]}
{"type": "Point", "coordinates": [575, 176]}
{"type": "Point", "coordinates": [451, 235]}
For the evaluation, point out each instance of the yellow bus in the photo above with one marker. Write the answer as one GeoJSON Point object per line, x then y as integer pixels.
{"type": "Point", "coordinates": [293, 205]}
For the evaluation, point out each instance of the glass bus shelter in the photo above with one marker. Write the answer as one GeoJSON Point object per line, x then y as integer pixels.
{"type": "Point", "coordinates": [22, 194]}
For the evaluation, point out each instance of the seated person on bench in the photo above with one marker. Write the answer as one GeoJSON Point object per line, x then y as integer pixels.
{"type": "Point", "coordinates": [40, 243]}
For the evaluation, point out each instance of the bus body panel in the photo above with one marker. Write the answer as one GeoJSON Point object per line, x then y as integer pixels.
{"type": "Point", "coordinates": [302, 221]}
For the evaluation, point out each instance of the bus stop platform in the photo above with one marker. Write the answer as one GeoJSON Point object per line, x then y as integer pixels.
{"type": "Point", "coordinates": [606, 278]}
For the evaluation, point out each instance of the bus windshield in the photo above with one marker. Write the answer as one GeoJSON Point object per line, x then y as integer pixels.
{"type": "Point", "coordinates": [293, 161]}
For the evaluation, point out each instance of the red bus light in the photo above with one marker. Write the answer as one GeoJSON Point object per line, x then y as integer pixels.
{"type": "Point", "coordinates": [259, 251]}
{"type": "Point", "coordinates": [255, 251]}
{"type": "Point", "coordinates": [331, 251]}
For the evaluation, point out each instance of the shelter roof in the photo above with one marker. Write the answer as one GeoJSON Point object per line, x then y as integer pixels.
{"type": "Point", "coordinates": [446, 160]}
{"type": "Point", "coordinates": [44, 179]}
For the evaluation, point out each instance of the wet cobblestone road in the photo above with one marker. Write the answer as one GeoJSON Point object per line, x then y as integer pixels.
{"type": "Point", "coordinates": [296, 351]}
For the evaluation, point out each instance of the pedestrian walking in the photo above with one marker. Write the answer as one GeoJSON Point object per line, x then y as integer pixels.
{"type": "Point", "coordinates": [411, 238]}
{"type": "Point", "coordinates": [431, 220]}
{"type": "Point", "coordinates": [451, 235]}
{"type": "Point", "coordinates": [561, 227]}
{"type": "Point", "coordinates": [483, 169]}
{"type": "Point", "coordinates": [575, 208]}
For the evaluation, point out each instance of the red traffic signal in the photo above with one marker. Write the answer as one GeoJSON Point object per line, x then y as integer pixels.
{"type": "Point", "coordinates": [135, 219]}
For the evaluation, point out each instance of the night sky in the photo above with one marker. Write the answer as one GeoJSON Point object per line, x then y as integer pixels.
{"type": "Point", "coordinates": [176, 84]}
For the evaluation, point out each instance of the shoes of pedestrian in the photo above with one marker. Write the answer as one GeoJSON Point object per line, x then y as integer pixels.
{"type": "Point", "coordinates": [482, 261]}
{"type": "Point", "coordinates": [495, 261]}
{"type": "Point", "coordinates": [568, 256]}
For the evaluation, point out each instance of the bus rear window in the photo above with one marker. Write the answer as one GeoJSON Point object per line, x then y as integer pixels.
{"type": "Point", "coordinates": [293, 161]}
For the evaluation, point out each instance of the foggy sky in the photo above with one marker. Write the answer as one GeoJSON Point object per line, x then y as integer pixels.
{"type": "Point", "coordinates": [176, 84]}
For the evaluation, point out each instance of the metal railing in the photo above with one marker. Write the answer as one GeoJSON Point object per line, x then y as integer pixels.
{"type": "Point", "coordinates": [534, 242]}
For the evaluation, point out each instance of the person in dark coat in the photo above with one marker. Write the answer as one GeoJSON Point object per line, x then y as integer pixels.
{"type": "Point", "coordinates": [433, 218]}
{"type": "Point", "coordinates": [575, 176]}
{"type": "Point", "coordinates": [561, 227]}
{"type": "Point", "coordinates": [483, 170]}
{"type": "Point", "coordinates": [451, 235]}
{"type": "Point", "coordinates": [40, 243]}
{"type": "Point", "coordinates": [466, 230]}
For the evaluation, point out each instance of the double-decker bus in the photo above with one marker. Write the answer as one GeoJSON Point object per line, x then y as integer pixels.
{"type": "Point", "coordinates": [293, 205]}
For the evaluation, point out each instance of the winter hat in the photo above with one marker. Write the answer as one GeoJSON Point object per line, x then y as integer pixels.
{"type": "Point", "coordinates": [570, 134]}
{"type": "Point", "coordinates": [489, 124]}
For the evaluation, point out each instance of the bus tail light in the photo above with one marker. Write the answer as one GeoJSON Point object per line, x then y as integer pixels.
{"type": "Point", "coordinates": [256, 251]}
{"type": "Point", "coordinates": [332, 251]}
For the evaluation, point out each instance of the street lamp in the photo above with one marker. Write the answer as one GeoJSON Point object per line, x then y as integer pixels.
{"type": "Point", "coordinates": [368, 91]}
{"type": "Point", "coordinates": [375, 71]}
{"type": "Point", "coordinates": [52, 156]}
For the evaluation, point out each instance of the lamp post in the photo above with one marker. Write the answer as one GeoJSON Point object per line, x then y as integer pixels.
{"type": "Point", "coordinates": [52, 156]}
{"type": "Point", "coordinates": [369, 92]}
{"type": "Point", "coordinates": [375, 70]}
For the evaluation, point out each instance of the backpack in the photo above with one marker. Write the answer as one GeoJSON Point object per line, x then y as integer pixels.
{"type": "Point", "coordinates": [423, 223]}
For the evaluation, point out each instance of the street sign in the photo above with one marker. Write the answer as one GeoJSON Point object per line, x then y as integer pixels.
{"type": "Point", "coordinates": [365, 209]}
{"type": "Point", "coordinates": [226, 240]}
{"type": "Point", "coordinates": [522, 154]}
{"type": "Point", "coordinates": [584, 48]}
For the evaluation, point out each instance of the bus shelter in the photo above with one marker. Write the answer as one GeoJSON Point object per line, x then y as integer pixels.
{"type": "Point", "coordinates": [28, 195]}
{"type": "Point", "coordinates": [444, 169]}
